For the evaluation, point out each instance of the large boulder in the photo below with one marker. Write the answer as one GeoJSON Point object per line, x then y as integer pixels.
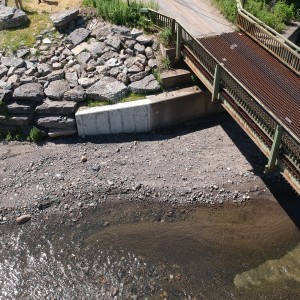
{"type": "Point", "coordinates": [147, 85]}
{"type": "Point", "coordinates": [29, 92]}
{"type": "Point", "coordinates": [57, 107]}
{"type": "Point", "coordinates": [57, 88]}
{"type": "Point", "coordinates": [63, 18]}
{"type": "Point", "coordinates": [10, 61]}
{"type": "Point", "coordinates": [107, 88]}
{"type": "Point", "coordinates": [11, 17]}
{"type": "Point", "coordinates": [78, 36]}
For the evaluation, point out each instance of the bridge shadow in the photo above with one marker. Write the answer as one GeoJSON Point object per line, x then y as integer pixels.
{"type": "Point", "coordinates": [284, 194]}
{"type": "Point", "coordinates": [280, 189]}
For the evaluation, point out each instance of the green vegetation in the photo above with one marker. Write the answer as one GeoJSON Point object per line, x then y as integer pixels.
{"type": "Point", "coordinates": [3, 109]}
{"type": "Point", "coordinates": [133, 97]}
{"type": "Point", "coordinates": [35, 135]}
{"type": "Point", "coordinates": [12, 39]}
{"type": "Point", "coordinates": [166, 37]}
{"type": "Point", "coordinates": [275, 15]}
{"type": "Point", "coordinates": [94, 103]}
{"type": "Point", "coordinates": [121, 12]}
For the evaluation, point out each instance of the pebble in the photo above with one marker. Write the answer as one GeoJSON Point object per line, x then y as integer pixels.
{"type": "Point", "coordinates": [83, 158]}
{"type": "Point", "coordinates": [23, 219]}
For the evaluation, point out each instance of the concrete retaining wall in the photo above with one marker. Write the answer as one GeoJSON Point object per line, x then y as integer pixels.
{"type": "Point", "coordinates": [145, 115]}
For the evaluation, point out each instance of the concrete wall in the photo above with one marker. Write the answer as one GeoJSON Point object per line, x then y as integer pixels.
{"type": "Point", "coordinates": [145, 115]}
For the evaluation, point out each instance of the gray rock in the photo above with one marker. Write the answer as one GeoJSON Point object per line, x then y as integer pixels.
{"type": "Point", "coordinates": [54, 133]}
{"type": "Point", "coordinates": [3, 71]}
{"type": "Point", "coordinates": [129, 62]}
{"type": "Point", "coordinates": [101, 32]}
{"type": "Point", "coordinates": [78, 36]}
{"type": "Point", "coordinates": [123, 78]}
{"type": "Point", "coordinates": [19, 120]}
{"type": "Point", "coordinates": [107, 88]}
{"type": "Point", "coordinates": [123, 30]}
{"type": "Point", "coordinates": [149, 53]}
{"type": "Point", "coordinates": [56, 107]}
{"type": "Point", "coordinates": [86, 82]}
{"type": "Point", "coordinates": [138, 76]}
{"type": "Point", "coordinates": [84, 57]}
{"type": "Point", "coordinates": [57, 66]}
{"type": "Point", "coordinates": [14, 80]}
{"type": "Point", "coordinates": [56, 89]}
{"type": "Point", "coordinates": [144, 40]}
{"type": "Point", "coordinates": [114, 42]}
{"type": "Point", "coordinates": [24, 107]}
{"type": "Point", "coordinates": [56, 75]}
{"type": "Point", "coordinates": [11, 17]}
{"type": "Point", "coordinates": [114, 72]}
{"type": "Point", "coordinates": [145, 86]}
{"type": "Point", "coordinates": [136, 32]}
{"type": "Point", "coordinates": [77, 94]}
{"type": "Point", "coordinates": [55, 122]}
{"type": "Point", "coordinates": [63, 18]}
{"type": "Point", "coordinates": [152, 63]}
{"type": "Point", "coordinates": [139, 48]}
{"type": "Point", "coordinates": [113, 62]}
{"type": "Point", "coordinates": [108, 55]}
{"type": "Point", "coordinates": [72, 78]}
{"type": "Point", "coordinates": [78, 49]}
{"type": "Point", "coordinates": [130, 44]}
{"type": "Point", "coordinates": [44, 69]}
{"type": "Point", "coordinates": [22, 52]}
{"type": "Point", "coordinates": [97, 48]}
{"type": "Point", "coordinates": [11, 71]}
{"type": "Point", "coordinates": [136, 68]}
{"type": "Point", "coordinates": [12, 62]}
{"type": "Point", "coordinates": [30, 92]}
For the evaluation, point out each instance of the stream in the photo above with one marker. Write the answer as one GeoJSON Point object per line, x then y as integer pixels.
{"type": "Point", "coordinates": [154, 251]}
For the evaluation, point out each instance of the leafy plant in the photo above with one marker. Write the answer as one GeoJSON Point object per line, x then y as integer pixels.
{"type": "Point", "coordinates": [35, 135]}
{"type": "Point", "coordinates": [133, 97]}
{"type": "Point", "coordinates": [166, 36]}
{"type": "Point", "coordinates": [9, 137]}
{"type": "Point", "coordinates": [3, 109]}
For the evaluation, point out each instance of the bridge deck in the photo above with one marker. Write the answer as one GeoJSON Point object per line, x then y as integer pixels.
{"type": "Point", "coordinates": [271, 82]}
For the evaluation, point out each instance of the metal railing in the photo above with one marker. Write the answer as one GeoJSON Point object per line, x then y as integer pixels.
{"type": "Point", "coordinates": [161, 20]}
{"type": "Point", "coordinates": [286, 51]}
{"type": "Point", "coordinates": [262, 122]}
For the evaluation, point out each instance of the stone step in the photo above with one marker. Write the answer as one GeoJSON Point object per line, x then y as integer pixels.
{"type": "Point", "coordinates": [21, 108]}
{"type": "Point", "coordinates": [57, 107]}
{"type": "Point", "coordinates": [57, 122]}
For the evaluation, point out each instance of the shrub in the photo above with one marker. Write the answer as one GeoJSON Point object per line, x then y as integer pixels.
{"type": "Point", "coordinates": [166, 36]}
{"type": "Point", "coordinates": [35, 135]}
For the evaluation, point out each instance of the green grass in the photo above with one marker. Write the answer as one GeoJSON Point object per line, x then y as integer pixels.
{"type": "Point", "coordinates": [95, 103]}
{"type": "Point", "coordinates": [119, 12]}
{"type": "Point", "coordinates": [133, 97]}
{"type": "Point", "coordinates": [12, 39]}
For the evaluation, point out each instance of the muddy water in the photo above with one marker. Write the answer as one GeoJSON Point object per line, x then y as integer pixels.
{"type": "Point", "coordinates": [134, 251]}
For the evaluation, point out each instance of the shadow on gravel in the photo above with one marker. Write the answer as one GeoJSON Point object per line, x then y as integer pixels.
{"type": "Point", "coordinates": [285, 195]}
{"type": "Point", "coordinates": [278, 186]}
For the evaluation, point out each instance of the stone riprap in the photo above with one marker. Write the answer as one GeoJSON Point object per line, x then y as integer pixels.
{"type": "Point", "coordinates": [43, 86]}
{"type": "Point", "coordinates": [11, 17]}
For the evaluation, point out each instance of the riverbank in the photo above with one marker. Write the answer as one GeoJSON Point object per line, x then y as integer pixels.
{"type": "Point", "coordinates": [209, 161]}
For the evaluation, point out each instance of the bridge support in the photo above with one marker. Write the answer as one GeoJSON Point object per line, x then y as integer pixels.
{"type": "Point", "coordinates": [216, 85]}
{"type": "Point", "coordinates": [275, 149]}
{"type": "Point", "coordinates": [178, 42]}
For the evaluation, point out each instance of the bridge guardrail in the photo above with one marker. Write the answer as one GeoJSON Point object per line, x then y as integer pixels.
{"type": "Point", "coordinates": [287, 144]}
{"type": "Point", "coordinates": [286, 51]}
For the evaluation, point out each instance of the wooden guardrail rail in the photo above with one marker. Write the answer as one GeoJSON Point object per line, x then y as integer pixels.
{"type": "Point", "coordinates": [286, 51]}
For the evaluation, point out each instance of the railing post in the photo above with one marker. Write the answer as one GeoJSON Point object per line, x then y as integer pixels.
{"type": "Point", "coordinates": [178, 42]}
{"type": "Point", "coordinates": [216, 86]}
{"type": "Point", "coordinates": [275, 149]}
{"type": "Point", "coordinates": [173, 22]}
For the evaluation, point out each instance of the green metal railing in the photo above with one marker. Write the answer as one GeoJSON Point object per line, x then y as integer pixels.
{"type": "Point", "coordinates": [286, 51]}
{"type": "Point", "coordinates": [280, 145]}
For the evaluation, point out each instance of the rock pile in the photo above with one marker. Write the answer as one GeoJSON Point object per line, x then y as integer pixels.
{"type": "Point", "coordinates": [95, 60]}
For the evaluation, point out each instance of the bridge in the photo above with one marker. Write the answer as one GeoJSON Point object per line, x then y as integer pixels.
{"type": "Point", "coordinates": [254, 75]}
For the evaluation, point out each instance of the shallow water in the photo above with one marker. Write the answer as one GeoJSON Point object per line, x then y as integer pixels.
{"type": "Point", "coordinates": [249, 252]}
